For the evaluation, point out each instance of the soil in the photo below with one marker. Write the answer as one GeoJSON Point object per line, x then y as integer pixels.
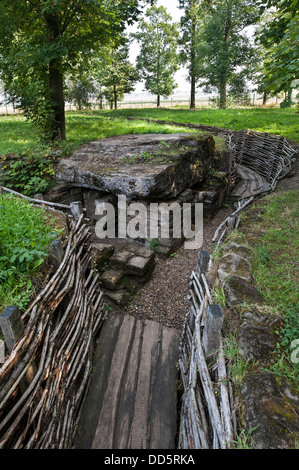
{"type": "Point", "coordinates": [164, 297]}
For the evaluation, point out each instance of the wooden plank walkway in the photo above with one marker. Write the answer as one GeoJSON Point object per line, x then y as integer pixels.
{"type": "Point", "coordinates": [131, 402]}
{"type": "Point", "coordinates": [251, 184]}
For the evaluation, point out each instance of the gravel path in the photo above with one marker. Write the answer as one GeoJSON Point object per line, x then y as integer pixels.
{"type": "Point", "coordinates": [164, 297]}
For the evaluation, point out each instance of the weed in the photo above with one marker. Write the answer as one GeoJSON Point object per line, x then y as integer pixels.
{"type": "Point", "coordinates": [153, 244]}
{"type": "Point", "coordinates": [244, 439]}
{"type": "Point", "coordinates": [219, 296]}
{"type": "Point", "coordinates": [28, 173]}
{"type": "Point", "coordinates": [238, 367]}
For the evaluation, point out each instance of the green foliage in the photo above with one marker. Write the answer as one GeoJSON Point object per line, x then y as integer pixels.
{"type": "Point", "coordinates": [157, 61]}
{"type": "Point", "coordinates": [244, 439]}
{"type": "Point", "coordinates": [18, 136]}
{"type": "Point", "coordinates": [28, 173]}
{"type": "Point", "coordinates": [280, 37]}
{"type": "Point", "coordinates": [286, 103]}
{"type": "Point", "coordinates": [218, 295]}
{"type": "Point", "coordinates": [153, 244]}
{"type": "Point", "coordinates": [119, 75]}
{"type": "Point", "coordinates": [41, 41]}
{"type": "Point", "coordinates": [276, 274]}
{"type": "Point", "coordinates": [24, 244]}
{"type": "Point", "coordinates": [80, 91]}
{"type": "Point", "coordinates": [191, 24]}
{"type": "Point", "coordinates": [239, 368]}
{"type": "Point", "coordinates": [224, 47]}
{"type": "Point", "coordinates": [273, 121]}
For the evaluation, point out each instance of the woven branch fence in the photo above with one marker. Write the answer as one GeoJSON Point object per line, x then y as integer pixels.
{"type": "Point", "coordinates": [269, 156]}
{"type": "Point", "coordinates": [44, 380]}
{"type": "Point", "coordinates": [207, 412]}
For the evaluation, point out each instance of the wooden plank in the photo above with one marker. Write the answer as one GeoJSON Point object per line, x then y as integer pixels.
{"type": "Point", "coordinates": [103, 438]}
{"type": "Point", "coordinates": [131, 402]}
{"type": "Point", "coordinates": [163, 417]}
{"type": "Point", "coordinates": [128, 392]}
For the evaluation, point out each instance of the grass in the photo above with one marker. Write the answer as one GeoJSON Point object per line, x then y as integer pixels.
{"type": "Point", "coordinates": [272, 120]}
{"type": "Point", "coordinates": [25, 237]}
{"type": "Point", "coordinates": [18, 135]}
{"type": "Point", "coordinates": [276, 271]}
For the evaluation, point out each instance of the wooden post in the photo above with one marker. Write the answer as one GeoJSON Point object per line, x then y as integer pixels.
{"type": "Point", "coordinates": [211, 338]}
{"type": "Point", "coordinates": [202, 263]}
{"type": "Point", "coordinates": [11, 325]}
{"type": "Point", "coordinates": [2, 351]}
{"type": "Point", "coordinates": [57, 252]}
{"type": "Point", "coordinates": [76, 209]}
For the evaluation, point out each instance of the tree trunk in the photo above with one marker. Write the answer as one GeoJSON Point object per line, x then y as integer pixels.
{"type": "Point", "coordinates": [158, 101]}
{"type": "Point", "coordinates": [56, 86]}
{"type": "Point", "coordinates": [264, 98]}
{"type": "Point", "coordinates": [192, 68]}
{"type": "Point", "coordinates": [222, 93]}
{"type": "Point", "coordinates": [192, 100]}
{"type": "Point", "coordinates": [115, 96]}
{"type": "Point", "coordinates": [227, 32]}
{"type": "Point", "coordinates": [57, 130]}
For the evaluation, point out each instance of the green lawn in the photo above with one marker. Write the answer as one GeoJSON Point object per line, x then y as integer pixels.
{"type": "Point", "coordinates": [17, 135]}
{"type": "Point", "coordinates": [272, 120]}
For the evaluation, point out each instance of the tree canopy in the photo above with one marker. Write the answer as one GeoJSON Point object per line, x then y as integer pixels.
{"type": "Point", "coordinates": [42, 40]}
{"type": "Point", "coordinates": [280, 37]}
{"type": "Point", "coordinates": [224, 47]}
{"type": "Point", "coordinates": [158, 59]}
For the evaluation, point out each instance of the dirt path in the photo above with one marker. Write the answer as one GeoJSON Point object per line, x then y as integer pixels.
{"type": "Point", "coordinates": [164, 297]}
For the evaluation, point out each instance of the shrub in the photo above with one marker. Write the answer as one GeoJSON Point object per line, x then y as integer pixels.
{"type": "Point", "coordinates": [24, 243]}
{"type": "Point", "coordinates": [28, 173]}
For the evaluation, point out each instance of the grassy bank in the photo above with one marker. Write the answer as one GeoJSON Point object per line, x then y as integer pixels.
{"type": "Point", "coordinates": [17, 135]}
{"type": "Point", "coordinates": [275, 268]}
{"type": "Point", "coordinates": [25, 237]}
{"type": "Point", "coordinates": [276, 271]}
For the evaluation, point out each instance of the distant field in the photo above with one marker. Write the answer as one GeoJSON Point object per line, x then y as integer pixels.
{"type": "Point", "coordinates": [18, 135]}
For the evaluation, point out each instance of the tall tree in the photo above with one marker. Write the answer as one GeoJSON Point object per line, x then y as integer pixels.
{"type": "Point", "coordinates": [280, 37]}
{"type": "Point", "coordinates": [191, 22]}
{"type": "Point", "coordinates": [158, 59]}
{"type": "Point", "coordinates": [224, 46]}
{"type": "Point", "coordinates": [119, 76]}
{"type": "Point", "coordinates": [42, 39]}
{"type": "Point", "coordinates": [80, 91]}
